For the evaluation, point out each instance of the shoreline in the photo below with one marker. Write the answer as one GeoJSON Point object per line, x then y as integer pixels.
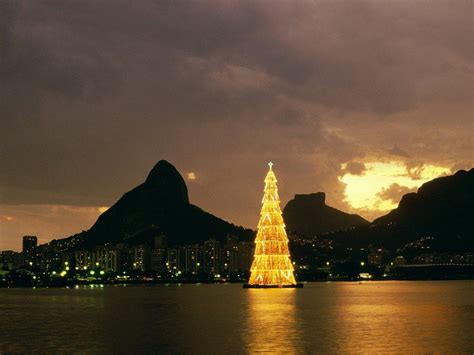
{"type": "Point", "coordinates": [179, 283]}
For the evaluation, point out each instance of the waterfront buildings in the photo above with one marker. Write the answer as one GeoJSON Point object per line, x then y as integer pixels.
{"type": "Point", "coordinates": [209, 260]}
{"type": "Point", "coordinates": [30, 243]}
{"type": "Point", "coordinates": [10, 259]}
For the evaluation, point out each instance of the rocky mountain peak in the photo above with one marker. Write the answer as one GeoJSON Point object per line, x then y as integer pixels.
{"type": "Point", "coordinates": [166, 178]}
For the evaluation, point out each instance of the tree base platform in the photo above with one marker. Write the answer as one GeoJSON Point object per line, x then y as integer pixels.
{"type": "Point", "coordinates": [299, 285]}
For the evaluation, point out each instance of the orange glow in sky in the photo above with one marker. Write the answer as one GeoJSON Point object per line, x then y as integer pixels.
{"type": "Point", "coordinates": [382, 184]}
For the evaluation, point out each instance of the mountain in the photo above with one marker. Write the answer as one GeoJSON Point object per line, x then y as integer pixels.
{"type": "Point", "coordinates": [308, 215]}
{"type": "Point", "coordinates": [443, 206]}
{"type": "Point", "coordinates": [442, 209]}
{"type": "Point", "coordinates": [159, 205]}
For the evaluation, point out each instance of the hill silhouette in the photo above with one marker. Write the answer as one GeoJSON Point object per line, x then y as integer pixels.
{"type": "Point", "coordinates": [445, 204]}
{"type": "Point", "coordinates": [442, 208]}
{"type": "Point", "coordinates": [160, 205]}
{"type": "Point", "coordinates": [308, 215]}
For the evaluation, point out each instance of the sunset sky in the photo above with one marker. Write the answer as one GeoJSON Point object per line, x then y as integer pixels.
{"type": "Point", "coordinates": [364, 100]}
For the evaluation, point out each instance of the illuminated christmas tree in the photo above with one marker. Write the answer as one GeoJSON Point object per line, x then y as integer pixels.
{"type": "Point", "coordinates": [271, 265]}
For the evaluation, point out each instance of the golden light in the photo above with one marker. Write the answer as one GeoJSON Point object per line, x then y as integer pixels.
{"type": "Point", "coordinates": [191, 175]}
{"type": "Point", "coordinates": [103, 209]}
{"type": "Point", "coordinates": [272, 322]}
{"type": "Point", "coordinates": [271, 264]}
{"type": "Point", "coordinates": [382, 184]}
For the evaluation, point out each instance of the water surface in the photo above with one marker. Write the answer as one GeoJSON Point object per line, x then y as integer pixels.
{"type": "Point", "coordinates": [322, 317]}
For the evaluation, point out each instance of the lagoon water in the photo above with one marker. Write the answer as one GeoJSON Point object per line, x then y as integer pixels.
{"type": "Point", "coordinates": [389, 316]}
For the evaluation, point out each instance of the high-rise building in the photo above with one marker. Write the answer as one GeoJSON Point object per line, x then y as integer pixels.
{"type": "Point", "coordinates": [84, 259]}
{"type": "Point", "coordinates": [175, 260]}
{"type": "Point", "coordinates": [230, 258]}
{"type": "Point", "coordinates": [10, 259]}
{"type": "Point", "coordinates": [107, 259]}
{"type": "Point", "coordinates": [230, 255]}
{"type": "Point", "coordinates": [232, 240]}
{"type": "Point", "coordinates": [141, 258]}
{"type": "Point", "coordinates": [50, 257]}
{"type": "Point", "coordinates": [212, 256]}
{"type": "Point", "coordinates": [193, 259]}
{"type": "Point", "coordinates": [158, 260]}
{"type": "Point", "coordinates": [29, 245]}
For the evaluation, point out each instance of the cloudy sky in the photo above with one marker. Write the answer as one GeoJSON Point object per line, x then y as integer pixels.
{"type": "Point", "coordinates": [364, 100]}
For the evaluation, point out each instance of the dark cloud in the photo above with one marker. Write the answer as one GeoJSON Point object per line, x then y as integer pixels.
{"type": "Point", "coordinates": [354, 57]}
{"type": "Point", "coordinates": [355, 168]}
{"type": "Point", "coordinates": [398, 152]}
{"type": "Point", "coordinates": [395, 192]}
{"type": "Point", "coordinates": [33, 71]}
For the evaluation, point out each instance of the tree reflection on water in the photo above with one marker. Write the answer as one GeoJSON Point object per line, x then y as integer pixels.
{"type": "Point", "coordinates": [271, 318]}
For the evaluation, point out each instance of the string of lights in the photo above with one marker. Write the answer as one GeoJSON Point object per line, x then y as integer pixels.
{"type": "Point", "coordinates": [272, 264]}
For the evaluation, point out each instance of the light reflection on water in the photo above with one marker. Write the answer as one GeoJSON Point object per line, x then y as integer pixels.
{"type": "Point", "coordinates": [271, 323]}
{"type": "Point", "coordinates": [409, 316]}
{"type": "Point", "coordinates": [321, 318]}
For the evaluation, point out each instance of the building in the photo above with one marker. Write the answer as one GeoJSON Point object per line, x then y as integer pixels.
{"type": "Point", "coordinates": [230, 259]}
{"type": "Point", "coordinates": [212, 257]}
{"type": "Point", "coordinates": [232, 240]}
{"type": "Point", "coordinates": [377, 256]}
{"type": "Point", "coordinates": [50, 257]}
{"type": "Point", "coordinates": [399, 261]}
{"type": "Point", "coordinates": [158, 260]}
{"type": "Point", "coordinates": [174, 260]}
{"type": "Point", "coordinates": [193, 259]}
{"type": "Point", "coordinates": [30, 242]}
{"type": "Point", "coordinates": [10, 259]}
{"type": "Point", "coordinates": [107, 259]}
{"type": "Point", "coordinates": [84, 260]}
{"type": "Point", "coordinates": [159, 254]}
{"type": "Point", "coordinates": [141, 258]}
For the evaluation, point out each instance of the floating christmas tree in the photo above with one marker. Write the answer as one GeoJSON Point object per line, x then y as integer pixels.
{"type": "Point", "coordinates": [271, 265]}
